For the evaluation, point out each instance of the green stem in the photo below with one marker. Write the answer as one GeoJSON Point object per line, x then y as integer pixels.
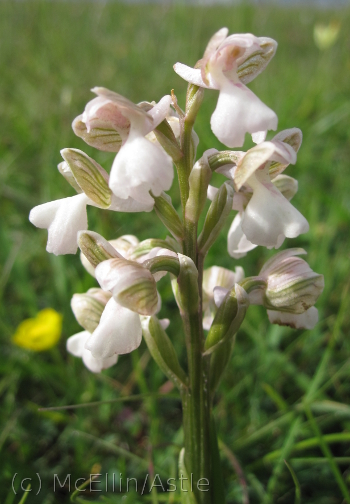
{"type": "Point", "coordinates": [195, 400]}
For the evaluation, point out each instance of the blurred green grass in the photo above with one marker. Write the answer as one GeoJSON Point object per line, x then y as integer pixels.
{"type": "Point", "coordinates": [51, 54]}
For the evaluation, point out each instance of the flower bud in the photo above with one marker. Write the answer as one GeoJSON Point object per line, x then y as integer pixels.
{"type": "Point", "coordinates": [88, 307]}
{"type": "Point", "coordinates": [144, 249]}
{"type": "Point", "coordinates": [198, 181]}
{"type": "Point", "coordinates": [166, 137]}
{"type": "Point", "coordinates": [162, 351]}
{"type": "Point", "coordinates": [185, 287]}
{"type": "Point", "coordinates": [292, 286]}
{"type": "Point", "coordinates": [95, 248]}
{"type": "Point", "coordinates": [125, 244]}
{"type": "Point", "coordinates": [102, 125]}
{"type": "Point", "coordinates": [194, 99]}
{"type": "Point", "coordinates": [216, 217]}
{"type": "Point", "coordinates": [228, 318]}
{"type": "Point", "coordinates": [90, 176]}
{"type": "Point", "coordinates": [168, 215]}
{"type": "Point", "coordinates": [132, 285]}
{"type": "Point", "coordinates": [224, 161]}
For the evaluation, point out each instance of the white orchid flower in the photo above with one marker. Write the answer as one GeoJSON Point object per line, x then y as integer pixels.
{"type": "Point", "coordinates": [291, 290]}
{"type": "Point", "coordinates": [266, 217]}
{"type": "Point", "coordinates": [111, 330]}
{"type": "Point", "coordinates": [63, 218]}
{"type": "Point", "coordinates": [140, 166]}
{"type": "Point", "coordinates": [227, 65]}
{"type": "Point", "coordinates": [119, 332]}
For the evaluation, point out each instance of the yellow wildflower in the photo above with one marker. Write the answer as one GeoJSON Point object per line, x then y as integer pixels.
{"type": "Point", "coordinates": [326, 35]}
{"type": "Point", "coordinates": [39, 333]}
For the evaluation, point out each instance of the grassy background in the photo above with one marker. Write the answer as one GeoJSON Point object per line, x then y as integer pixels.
{"type": "Point", "coordinates": [51, 54]}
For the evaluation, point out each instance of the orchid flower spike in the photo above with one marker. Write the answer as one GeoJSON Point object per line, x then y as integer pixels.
{"type": "Point", "coordinates": [140, 166]}
{"type": "Point", "coordinates": [65, 217]}
{"type": "Point", "coordinates": [230, 62]}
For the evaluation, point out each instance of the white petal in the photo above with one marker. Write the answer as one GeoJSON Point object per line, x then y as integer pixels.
{"type": "Point", "coordinates": [207, 319]}
{"type": "Point", "coordinates": [191, 75]}
{"type": "Point", "coordinates": [42, 215]}
{"type": "Point", "coordinates": [130, 205]}
{"type": "Point", "coordinates": [160, 111]}
{"type": "Point", "coordinates": [211, 192]}
{"type": "Point", "coordinates": [164, 323]}
{"type": "Point", "coordinates": [216, 276]}
{"type": "Point", "coordinates": [97, 365]}
{"type": "Point", "coordinates": [259, 137]}
{"type": "Point", "coordinates": [219, 295]}
{"type": "Point", "coordinates": [238, 112]}
{"type": "Point", "coordinates": [140, 167]}
{"type": "Point", "coordinates": [76, 346]}
{"type": "Point", "coordinates": [306, 320]}
{"type": "Point", "coordinates": [65, 217]}
{"type": "Point", "coordinates": [76, 343]}
{"type": "Point", "coordinates": [237, 243]}
{"type": "Point", "coordinates": [269, 217]}
{"type": "Point", "coordinates": [119, 332]}
{"type": "Point", "coordinates": [215, 41]}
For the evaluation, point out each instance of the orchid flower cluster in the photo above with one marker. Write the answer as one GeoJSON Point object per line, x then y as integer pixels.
{"type": "Point", "coordinates": [149, 139]}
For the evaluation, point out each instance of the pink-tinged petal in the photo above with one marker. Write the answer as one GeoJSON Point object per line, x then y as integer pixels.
{"type": "Point", "coordinates": [139, 167]}
{"type": "Point", "coordinates": [237, 243]}
{"type": "Point", "coordinates": [119, 332]}
{"type": "Point", "coordinates": [215, 41]}
{"type": "Point", "coordinates": [238, 112]}
{"type": "Point", "coordinates": [269, 217]}
{"type": "Point", "coordinates": [191, 75]}
{"type": "Point", "coordinates": [291, 136]}
{"type": "Point", "coordinates": [135, 114]}
{"type": "Point", "coordinates": [63, 219]}
{"type": "Point", "coordinates": [306, 320]}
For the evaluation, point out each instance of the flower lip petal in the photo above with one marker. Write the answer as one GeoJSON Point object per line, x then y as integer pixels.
{"type": "Point", "coordinates": [306, 320]}
{"type": "Point", "coordinates": [270, 217]}
{"type": "Point", "coordinates": [239, 111]}
{"type": "Point", "coordinates": [238, 244]}
{"type": "Point", "coordinates": [63, 219]}
{"type": "Point", "coordinates": [111, 338]}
